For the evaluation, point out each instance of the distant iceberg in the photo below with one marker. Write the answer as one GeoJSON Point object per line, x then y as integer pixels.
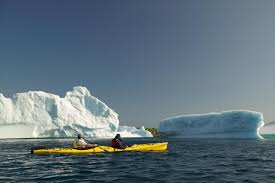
{"type": "Point", "coordinates": [227, 124]}
{"type": "Point", "coordinates": [126, 131]}
{"type": "Point", "coordinates": [40, 114]}
{"type": "Point", "coordinates": [268, 128]}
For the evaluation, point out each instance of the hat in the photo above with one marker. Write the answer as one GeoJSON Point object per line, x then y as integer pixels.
{"type": "Point", "coordinates": [79, 136]}
{"type": "Point", "coordinates": [118, 136]}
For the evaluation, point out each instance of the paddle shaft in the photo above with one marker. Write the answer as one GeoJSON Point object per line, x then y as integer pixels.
{"type": "Point", "coordinates": [90, 141]}
{"type": "Point", "coordinates": [96, 146]}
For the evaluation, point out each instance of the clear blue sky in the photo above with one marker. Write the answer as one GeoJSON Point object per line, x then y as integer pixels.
{"type": "Point", "coordinates": [147, 59]}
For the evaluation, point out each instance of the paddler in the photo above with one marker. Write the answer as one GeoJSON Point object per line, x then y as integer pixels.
{"type": "Point", "coordinates": [80, 143]}
{"type": "Point", "coordinates": [117, 142]}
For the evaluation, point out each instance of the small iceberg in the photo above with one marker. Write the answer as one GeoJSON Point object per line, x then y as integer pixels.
{"type": "Point", "coordinates": [227, 124]}
{"type": "Point", "coordinates": [268, 128]}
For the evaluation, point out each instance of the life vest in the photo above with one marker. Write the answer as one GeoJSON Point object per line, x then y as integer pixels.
{"type": "Point", "coordinates": [115, 144]}
{"type": "Point", "coordinates": [76, 144]}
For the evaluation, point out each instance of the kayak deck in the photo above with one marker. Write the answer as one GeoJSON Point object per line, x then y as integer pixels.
{"type": "Point", "coordinates": [150, 147]}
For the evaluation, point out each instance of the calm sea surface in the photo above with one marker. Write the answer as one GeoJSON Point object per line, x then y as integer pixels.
{"type": "Point", "coordinates": [187, 160]}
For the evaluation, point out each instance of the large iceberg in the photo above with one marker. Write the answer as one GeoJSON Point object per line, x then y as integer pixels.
{"type": "Point", "coordinates": [40, 114]}
{"type": "Point", "coordinates": [268, 128]}
{"type": "Point", "coordinates": [227, 124]}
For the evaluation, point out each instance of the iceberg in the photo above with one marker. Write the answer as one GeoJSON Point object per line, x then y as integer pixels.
{"type": "Point", "coordinates": [268, 128]}
{"type": "Point", "coordinates": [227, 124]}
{"type": "Point", "coordinates": [127, 131]}
{"type": "Point", "coordinates": [39, 114]}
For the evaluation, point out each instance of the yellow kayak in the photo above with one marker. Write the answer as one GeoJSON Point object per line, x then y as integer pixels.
{"type": "Point", "coordinates": [151, 147]}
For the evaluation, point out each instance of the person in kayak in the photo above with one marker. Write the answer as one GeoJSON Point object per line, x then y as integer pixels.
{"type": "Point", "coordinates": [117, 142]}
{"type": "Point", "coordinates": [80, 143]}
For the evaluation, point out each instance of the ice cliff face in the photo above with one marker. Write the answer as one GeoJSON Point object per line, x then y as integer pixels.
{"type": "Point", "coordinates": [40, 114]}
{"type": "Point", "coordinates": [228, 124]}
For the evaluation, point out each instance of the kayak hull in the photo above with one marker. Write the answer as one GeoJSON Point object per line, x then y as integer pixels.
{"type": "Point", "coordinates": [150, 147]}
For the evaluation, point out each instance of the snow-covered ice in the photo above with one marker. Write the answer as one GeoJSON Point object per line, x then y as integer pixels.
{"type": "Point", "coordinates": [41, 114]}
{"type": "Point", "coordinates": [227, 124]}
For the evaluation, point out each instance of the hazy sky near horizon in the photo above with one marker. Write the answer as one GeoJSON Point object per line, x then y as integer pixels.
{"type": "Point", "coordinates": [147, 59]}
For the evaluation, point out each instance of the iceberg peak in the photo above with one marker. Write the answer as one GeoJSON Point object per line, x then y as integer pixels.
{"type": "Point", "coordinates": [79, 91]}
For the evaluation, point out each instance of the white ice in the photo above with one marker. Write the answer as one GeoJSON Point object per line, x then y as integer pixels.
{"type": "Point", "coordinates": [127, 131]}
{"type": "Point", "coordinates": [41, 114]}
{"type": "Point", "coordinates": [227, 124]}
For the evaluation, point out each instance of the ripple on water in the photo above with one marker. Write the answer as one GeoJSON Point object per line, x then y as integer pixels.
{"type": "Point", "coordinates": [187, 160]}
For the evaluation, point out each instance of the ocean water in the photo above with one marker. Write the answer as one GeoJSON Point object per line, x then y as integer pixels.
{"type": "Point", "coordinates": [187, 160]}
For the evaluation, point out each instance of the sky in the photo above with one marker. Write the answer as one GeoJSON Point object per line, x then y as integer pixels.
{"type": "Point", "coordinates": [146, 59]}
